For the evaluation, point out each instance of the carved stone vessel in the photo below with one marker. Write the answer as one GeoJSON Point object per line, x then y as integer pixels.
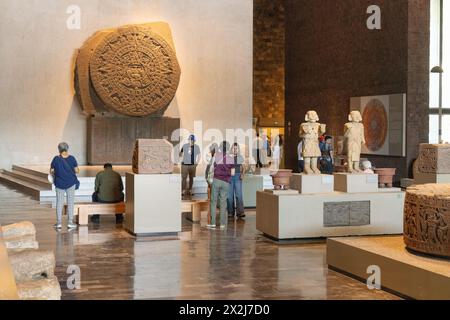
{"type": "Point", "coordinates": [427, 219]}
{"type": "Point", "coordinates": [385, 177]}
{"type": "Point", "coordinates": [153, 156]}
{"type": "Point", "coordinates": [281, 179]}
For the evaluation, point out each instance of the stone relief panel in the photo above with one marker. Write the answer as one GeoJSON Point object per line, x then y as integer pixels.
{"type": "Point", "coordinates": [434, 158]}
{"type": "Point", "coordinates": [153, 156]}
{"type": "Point", "coordinates": [345, 214]}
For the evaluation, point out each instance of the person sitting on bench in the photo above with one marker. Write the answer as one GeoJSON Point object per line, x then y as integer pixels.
{"type": "Point", "coordinates": [108, 189]}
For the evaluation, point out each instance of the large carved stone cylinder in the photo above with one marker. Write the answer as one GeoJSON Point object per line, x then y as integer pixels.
{"type": "Point", "coordinates": [427, 219]}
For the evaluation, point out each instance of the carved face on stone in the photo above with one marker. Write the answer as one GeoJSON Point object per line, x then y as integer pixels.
{"type": "Point", "coordinates": [312, 116]}
{"type": "Point", "coordinates": [355, 116]}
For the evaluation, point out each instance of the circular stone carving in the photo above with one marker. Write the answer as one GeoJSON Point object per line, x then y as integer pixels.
{"type": "Point", "coordinates": [375, 122]}
{"type": "Point", "coordinates": [135, 72]}
{"type": "Point", "coordinates": [427, 219]}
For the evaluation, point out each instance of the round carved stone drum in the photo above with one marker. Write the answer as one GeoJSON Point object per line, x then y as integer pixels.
{"type": "Point", "coordinates": [427, 219]}
{"type": "Point", "coordinates": [134, 71]}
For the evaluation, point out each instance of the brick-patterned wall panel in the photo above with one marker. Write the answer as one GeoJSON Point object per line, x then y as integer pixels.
{"type": "Point", "coordinates": [331, 56]}
{"type": "Point", "coordinates": [268, 59]}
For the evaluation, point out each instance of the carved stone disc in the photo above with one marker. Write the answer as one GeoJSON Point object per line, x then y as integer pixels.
{"type": "Point", "coordinates": [375, 122]}
{"type": "Point", "coordinates": [135, 72]}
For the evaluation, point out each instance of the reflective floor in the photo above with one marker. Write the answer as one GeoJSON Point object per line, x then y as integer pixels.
{"type": "Point", "coordinates": [238, 263]}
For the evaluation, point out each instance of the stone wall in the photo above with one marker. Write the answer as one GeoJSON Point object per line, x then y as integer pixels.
{"type": "Point", "coordinates": [268, 61]}
{"type": "Point", "coordinates": [331, 56]}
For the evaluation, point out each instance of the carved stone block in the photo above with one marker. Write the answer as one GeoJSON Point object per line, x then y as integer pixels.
{"type": "Point", "coordinates": [153, 156]}
{"type": "Point", "coordinates": [21, 243]}
{"type": "Point", "coordinates": [348, 213]}
{"type": "Point", "coordinates": [24, 228]}
{"type": "Point", "coordinates": [359, 213]}
{"type": "Point", "coordinates": [434, 158]}
{"type": "Point", "coordinates": [336, 214]}
{"type": "Point", "coordinates": [427, 219]}
{"type": "Point", "coordinates": [42, 289]}
{"type": "Point", "coordinates": [32, 264]}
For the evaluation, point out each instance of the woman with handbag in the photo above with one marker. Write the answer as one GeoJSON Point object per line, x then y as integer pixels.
{"type": "Point", "coordinates": [64, 169]}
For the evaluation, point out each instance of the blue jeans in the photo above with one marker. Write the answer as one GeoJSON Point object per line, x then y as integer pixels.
{"type": "Point", "coordinates": [235, 196]}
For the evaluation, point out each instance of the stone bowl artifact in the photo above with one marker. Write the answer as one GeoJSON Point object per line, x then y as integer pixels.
{"type": "Point", "coordinates": [427, 219]}
{"type": "Point", "coordinates": [281, 178]}
{"type": "Point", "coordinates": [385, 177]}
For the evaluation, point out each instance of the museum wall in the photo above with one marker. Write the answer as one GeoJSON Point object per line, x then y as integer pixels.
{"type": "Point", "coordinates": [332, 56]}
{"type": "Point", "coordinates": [213, 40]}
{"type": "Point", "coordinates": [268, 62]}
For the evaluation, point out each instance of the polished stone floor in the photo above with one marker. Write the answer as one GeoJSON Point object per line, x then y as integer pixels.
{"type": "Point", "coordinates": [236, 264]}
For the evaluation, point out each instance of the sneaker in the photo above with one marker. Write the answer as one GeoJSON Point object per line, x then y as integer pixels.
{"type": "Point", "coordinates": [223, 227]}
{"type": "Point", "coordinates": [211, 226]}
{"type": "Point", "coordinates": [71, 225]}
{"type": "Point", "coordinates": [240, 216]}
{"type": "Point", "coordinates": [57, 226]}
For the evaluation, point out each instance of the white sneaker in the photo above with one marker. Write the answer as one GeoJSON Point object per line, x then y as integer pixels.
{"type": "Point", "coordinates": [71, 225]}
{"type": "Point", "coordinates": [211, 226]}
{"type": "Point", "coordinates": [223, 227]}
{"type": "Point", "coordinates": [57, 226]}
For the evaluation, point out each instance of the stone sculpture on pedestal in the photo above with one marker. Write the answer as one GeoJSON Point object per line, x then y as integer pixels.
{"type": "Point", "coordinates": [153, 156]}
{"type": "Point", "coordinates": [310, 132]}
{"type": "Point", "coordinates": [354, 138]}
{"type": "Point", "coordinates": [427, 219]}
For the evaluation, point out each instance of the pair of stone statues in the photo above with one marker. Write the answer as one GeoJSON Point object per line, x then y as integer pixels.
{"type": "Point", "coordinates": [312, 129]}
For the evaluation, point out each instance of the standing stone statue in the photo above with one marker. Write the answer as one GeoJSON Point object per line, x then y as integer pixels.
{"type": "Point", "coordinates": [310, 132]}
{"type": "Point", "coordinates": [354, 137]}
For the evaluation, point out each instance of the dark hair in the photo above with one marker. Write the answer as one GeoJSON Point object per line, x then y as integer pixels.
{"type": "Point", "coordinates": [328, 138]}
{"type": "Point", "coordinates": [225, 146]}
{"type": "Point", "coordinates": [107, 165]}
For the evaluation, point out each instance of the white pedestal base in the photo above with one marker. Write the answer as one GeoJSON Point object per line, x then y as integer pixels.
{"type": "Point", "coordinates": [355, 183]}
{"type": "Point", "coordinates": [312, 183]}
{"type": "Point", "coordinates": [153, 204]}
{"type": "Point", "coordinates": [251, 184]}
{"type": "Point", "coordinates": [335, 214]}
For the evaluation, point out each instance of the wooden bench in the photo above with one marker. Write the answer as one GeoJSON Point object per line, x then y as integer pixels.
{"type": "Point", "coordinates": [194, 208]}
{"type": "Point", "coordinates": [85, 209]}
{"type": "Point", "coordinates": [8, 287]}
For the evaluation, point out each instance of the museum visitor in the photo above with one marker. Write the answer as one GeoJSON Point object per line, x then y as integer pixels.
{"type": "Point", "coordinates": [326, 160]}
{"type": "Point", "coordinates": [235, 199]}
{"type": "Point", "coordinates": [63, 170]}
{"type": "Point", "coordinates": [223, 165]}
{"type": "Point", "coordinates": [301, 161]}
{"type": "Point", "coordinates": [190, 153]}
{"type": "Point", "coordinates": [108, 189]}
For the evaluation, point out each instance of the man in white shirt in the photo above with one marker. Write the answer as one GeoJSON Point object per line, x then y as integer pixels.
{"type": "Point", "coordinates": [301, 161]}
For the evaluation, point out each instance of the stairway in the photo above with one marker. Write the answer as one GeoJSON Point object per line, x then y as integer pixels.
{"type": "Point", "coordinates": [34, 183]}
{"type": "Point", "coordinates": [26, 180]}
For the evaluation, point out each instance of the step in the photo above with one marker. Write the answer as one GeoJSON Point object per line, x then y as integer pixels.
{"type": "Point", "coordinates": [26, 187]}
{"type": "Point", "coordinates": [29, 178]}
{"type": "Point", "coordinates": [42, 175]}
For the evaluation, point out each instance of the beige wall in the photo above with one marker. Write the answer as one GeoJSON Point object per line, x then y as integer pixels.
{"type": "Point", "coordinates": [213, 40]}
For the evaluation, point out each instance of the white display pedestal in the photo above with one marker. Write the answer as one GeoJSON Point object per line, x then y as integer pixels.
{"type": "Point", "coordinates": [251, 184]}
{"type": "Point", "coordinates": [297, 216]}
{"type": "Point", "coordinates": [312, 183]}
{"type": "Point", "coordinates": [153, 204]}
{"type": "Point", "coordinates": [355, 183]}
{"type": "Point", "coordinates": [424, 178]}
